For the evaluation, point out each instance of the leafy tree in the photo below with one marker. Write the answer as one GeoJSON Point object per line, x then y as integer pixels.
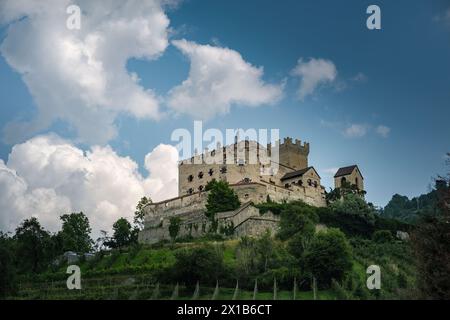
{"type": "Point", "coordinates": [329, 257]}
{"type": "Point", "coordinates": [75, 233]}
{"type": "Point", "coordinates": [174, 227]}
{"type": "Point", "coordinates": [33, 245]}
{"type": "Point", "coordinates": [295, 218]}
{"type": "Point", "coordinates": [123, 234]}
{"type": "Point", "coordinates": [354, 205]}
{"type": "Point", "coordinates": [202, 264]}
{"type": "Point", "coordinates": [431, 243]}
{"type": "Point", "coordinates": [139, 214]}
{"type": "Point", "coordinates": [381, 236]}
{"type": "Point", "coordinates": [7, 268]}
{"type": "Point", "coordinates": [220, 198]}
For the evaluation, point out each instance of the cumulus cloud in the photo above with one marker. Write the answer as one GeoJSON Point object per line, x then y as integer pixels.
{"type": "Point", "coordinates": [218, 78]}
{"type": "Point", "coordinates": [313, 73]}
{"type": "Point", "coordinates": [383, 131]}
{"type": "Point", "coordinates": [80, 76]}
{"type": "Point", "coordinates": [48, 176]}
{"type": "Point", "coordinates": [356, 130]}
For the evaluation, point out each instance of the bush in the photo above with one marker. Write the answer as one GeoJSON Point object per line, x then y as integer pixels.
{"type": "Point", "coordinates": [296, 217]}
{"type": "Point", "coordinates": [329, 257]}
{"type": "Point", "coordinates": [204, 264]}
{"type": "Point", "coordinates": [382, 236]}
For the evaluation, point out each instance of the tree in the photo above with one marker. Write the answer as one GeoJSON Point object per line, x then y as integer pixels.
{"type": "Point", "coordinates": [431, 243]}
{"type": "Point", "coordinates": [7, 269]}
{"type": "Point", "coordinates": [202, 264]}
{"type": "Point", "coordinates": [220, 198]}
{"type": "Point", "coordinates": [124, 234]}
{"type": "Point", "coordinates": [75, 233]}
{"type": "Point", "coordinates": [174, 227]}
{"type": "Point", "coordinates": [32, 246]}
{"type": "Point", "coordinates": [381, 236]}
{"type": "Point", "coordinates": [139, 214]}
{"type": "Point", "coordinates": [296, 217]}
{"type": "Point", "coordinates": [329, 257]}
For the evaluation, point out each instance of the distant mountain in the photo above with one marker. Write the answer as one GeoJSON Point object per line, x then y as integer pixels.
{"type": "Point", "coordinates": [409, 210]}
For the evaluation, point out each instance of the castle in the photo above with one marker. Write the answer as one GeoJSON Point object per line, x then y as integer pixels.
{"type": "Point", "coordinates": [256, 173]}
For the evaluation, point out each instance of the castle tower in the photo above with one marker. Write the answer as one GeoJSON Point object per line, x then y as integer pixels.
{"type": "Point", "coordinates": [294, 154]}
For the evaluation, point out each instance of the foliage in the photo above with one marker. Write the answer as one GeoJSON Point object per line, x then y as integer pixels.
{"type": "Point", "coordinates": [345, 190]}
{"type": "Point", "coordinates": [382, 236]}
{"type": "Point", "coordinates": [32, 246]}
{"type": "Point", "coordinates": [123, 234]}
{"type": "Point", "coordinates": [204, 264]}
{"type": "Point", "coordinates": [329, 257]}
{"type": "Point", "coordinates": [139, 214]}
{"type": "Point", "coordinates": [174, 227]}
{"type": "Point", "coordinates": [75, 233]}
{"type": "Point", "coordinates": [355, 205]}
{"type": "Point", "coordinates": [220, 198]}
{"type": "Point", "coordinates": [7, 268]}
{"type": "Point", "coordinates": [296, 217]}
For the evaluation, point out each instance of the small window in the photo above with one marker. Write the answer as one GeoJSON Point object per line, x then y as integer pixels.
{"type": "Point", "coordinates": [190, 178]}
{"type": "Point", "coordinates": [200, 188]}
{"type": "Point", "coordinates": [300, 183]}
{"type": "Point", "coordinates": [315, 184]}
{"type": "Point", "coordinates": [309, 182]}
{"type": "Point", "coordinates": [211, 172]}
{"type": "Point", "coordinates": [287, 185]}
{"type": "Point", "coordinates": [200, 175]}
{"type": "Point", "coordinates": [190, 191]}
{"type": "Point", "coordinates": [223, 170]}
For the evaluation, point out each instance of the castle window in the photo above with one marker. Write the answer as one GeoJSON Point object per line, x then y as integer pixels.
{"type": "Point", "coordinates": [247, 180]}
{"type": "Point", "coordinates": [223, 170]}
{"type": "Point", "coordinates": [309, 182]}
{"type": "Point", "coordinates": [200, 175]}
{"type": "Point", "coordinates": [213, 153]}
{"type": "Point", "coordinates": [246, 195]}
{"type": "Point", "coordinates": [190, 191]}
{"type": "Point", "coordinates": [287, 185]}
{"type": "Point", "coordinates": [200, 188]}
{"type": "Point", "coordinates": [315, 184]}
{"type": "Point", "coordinates": [343, 181]}
{"type": "Point", "coordinates": [300, 183]}
{"type": "Point", "coordinates": [356, 181]}
{"type": "Point", "coordinates": [190, 178]}
{"type": "Point", "coordinates": [211, 172]}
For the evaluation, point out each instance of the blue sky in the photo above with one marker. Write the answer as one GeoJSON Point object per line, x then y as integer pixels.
{"type": "Point", "coordinates": [397, 77]}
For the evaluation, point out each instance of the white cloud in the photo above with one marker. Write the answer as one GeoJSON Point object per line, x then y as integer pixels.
{"type": "Point", "coordinates": [356, 130]}
{"type": "Point", "coordinates": [47, 176]}
{"type": "Point", "coordinates": [218, 78]}
{"type": "Point", "coordinates": [313, 74]}
{"type": "Point", "coordinates": [383, 131]}
{"type": "Point", "coordinates": [330, 171]}
{"type": "Point", "coordinates": [80, 76]}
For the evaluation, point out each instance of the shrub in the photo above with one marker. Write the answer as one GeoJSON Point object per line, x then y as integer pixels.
{"type": "Point", "coordinates": [381, 236]}
{"type": "Point", "coordinates": [329, 257]}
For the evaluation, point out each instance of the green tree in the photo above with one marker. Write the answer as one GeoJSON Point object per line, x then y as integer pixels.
{"type": "Point", "coordinates": [33, 245]}
{"type": "Point", "coordinates": [381, 236]}
{"type": "Point", "coordinates": [295, 218]}
{"type": "Point", "coordinates": [174, 227]}
{"type": "Point", "coordinates": [220, 198]}
{"type": "Point", "coordinates": [139, 214]}
{"type": "Point", "coordinates": [329, 257]}
{"type": "Point", "coordinates": [75, 233]}
{"type": "Point", "coordinates": [7, 268]}
{"type": "Point", "coordinates": [123, 234]}
{"type": "Point", "coordinates": [204, 264]}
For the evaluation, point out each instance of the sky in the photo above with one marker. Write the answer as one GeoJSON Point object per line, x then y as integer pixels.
{"type": "Point", "coordinates": [86, 115]}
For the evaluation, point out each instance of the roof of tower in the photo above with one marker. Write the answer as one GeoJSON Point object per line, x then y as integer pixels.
{"type": "Point", "coordinates": [297, 173]}
{"type": "Point", "coordinates": [344, 171]}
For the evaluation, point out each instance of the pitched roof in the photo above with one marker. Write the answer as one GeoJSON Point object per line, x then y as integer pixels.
{"type": "Point", "coordinates": [346, 171]}
{"type": "Point", "coordinates": [297, 173]}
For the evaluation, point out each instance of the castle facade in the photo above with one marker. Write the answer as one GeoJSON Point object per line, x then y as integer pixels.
{"type": "Point", "coordinates": [255, 172]}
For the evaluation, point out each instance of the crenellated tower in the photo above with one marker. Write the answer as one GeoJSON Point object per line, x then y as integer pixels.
{"type": "Point", "coordinates": [294, 154]}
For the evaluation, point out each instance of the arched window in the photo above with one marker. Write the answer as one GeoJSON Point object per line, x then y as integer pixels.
{"type": "Point", "coordinates": [309, 182]}
{"type": "Point", "coordinates": [287, 185]}
{"type": "Point", "coordinates": [211, 172]}
{"type": "Point", "coordinates": [356, 181]}
{"type": "Point", "coordinates": [190, 178]}
{"type": "Point", "coordinates": [190, 191]}
{"type": "Point", "coordinates": [200, 175]}
{"type": "Point", "coordinates": [300, 183]}
{"type": "Point", "coordinates": [315, 184]}
{"type": "Point", "coordinates": [223, 170]}
{"type": "Point", "coordinates": [200, 188]}
{"type": "Point", "coordinates": [343, 180]}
